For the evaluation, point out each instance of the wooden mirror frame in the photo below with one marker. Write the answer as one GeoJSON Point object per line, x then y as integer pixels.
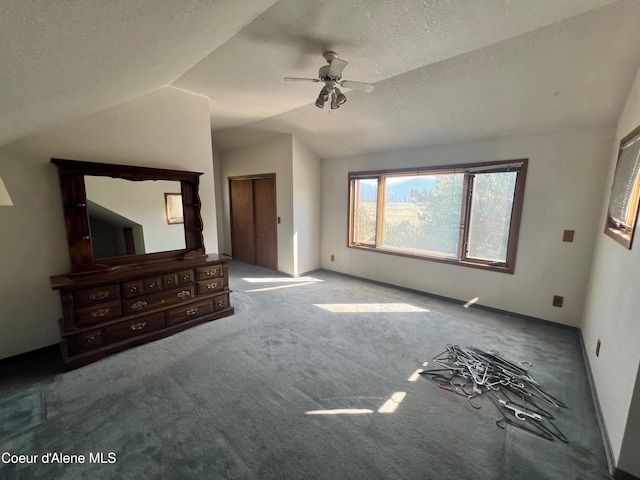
{"type": "Point", "coordinates": [74, 201]}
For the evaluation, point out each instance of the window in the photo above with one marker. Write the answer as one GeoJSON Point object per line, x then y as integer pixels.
{"type": "Point", "coordinates": [463, 214]}
{"type": "Point", "coordinates": [625, 191]}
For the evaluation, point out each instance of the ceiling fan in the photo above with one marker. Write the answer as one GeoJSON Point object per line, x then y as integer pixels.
{"type": "Point", "coordinates": [331, 75]}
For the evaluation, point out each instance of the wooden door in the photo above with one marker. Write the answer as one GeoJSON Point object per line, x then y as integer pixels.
{"type": "Point", "coordinates": [266, 219]}
{"type": "Point", "coordinates": [254, 232]}
{"type": "Point", "coordinates": [242, 222]}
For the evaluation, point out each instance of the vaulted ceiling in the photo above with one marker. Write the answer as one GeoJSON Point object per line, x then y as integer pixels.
{"type": "Point", "coordinates": [444, 71]}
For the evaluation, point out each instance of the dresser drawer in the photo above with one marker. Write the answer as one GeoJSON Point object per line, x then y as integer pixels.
{"type": "Point", "coordinates": [185, 276]}
{"type": "Point", "coordinates": [141, 304]}
{"type": "Point", "coordinates": [98, 313]}
{"type": "Point", "coordinates": [209, 286]}
{"type": "Point", "coordinates": [132, 289]}
{"type": "Point", "coordinates": [206, 273]}
{"type": "Point", "coordinates": [220, 302]}
{"type": "Point", "coordinates": [84, 342]}
{"type": "Point", "coordinates": [187, 312]}
{"type": "Point", "coordinates": [89, 340]}
{"type": "Point", "coordinates": [142, 287]}
{"type": "Point", "coordinates": [95, 296]}
{"type": "Point", "coordinates": [131, 328]}
{"type": "Point", "coordinates": [172, 280]}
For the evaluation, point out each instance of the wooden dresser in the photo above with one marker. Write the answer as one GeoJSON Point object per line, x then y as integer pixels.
{"type": "Point", "coordinates": [110, 311]}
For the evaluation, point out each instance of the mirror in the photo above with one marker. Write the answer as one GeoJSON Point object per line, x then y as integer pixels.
{"type": "Point", "coordinates": [134, 221]}
{"type": "Point", "coordinates": [120, 214]}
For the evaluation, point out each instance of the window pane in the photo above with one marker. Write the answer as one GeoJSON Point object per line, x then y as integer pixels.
{"type": "Point", "coordinates": [422, 212]}
{"type": "Point", "coordinates": [622, 205]}
{"type": "Point", "coordinates": [490, 219]}
{"type": "Point", "coordinates": [365, 197]}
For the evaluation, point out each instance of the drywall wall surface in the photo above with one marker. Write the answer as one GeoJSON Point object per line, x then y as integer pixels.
{"type": "Point", "coordinates": [217, 178]}
{"type": "Point", "coordinates": [629, 461]}
{"type": "Point", "coordinates": [274, 156]}
{"type": "Point", "coordinates": [565, 181]}
{"type": "Point", "coordinates": [168, 128]}
{"type": "Point", "coordinates": [612, 306]}
{"type": "Point", "coordinates": [306, 207]}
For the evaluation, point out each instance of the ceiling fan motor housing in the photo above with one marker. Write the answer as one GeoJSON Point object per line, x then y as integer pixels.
{"type": "Point", "coordinates": [323, 74]}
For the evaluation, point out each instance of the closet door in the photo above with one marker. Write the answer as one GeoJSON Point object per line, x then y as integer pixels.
{"type": "Point", "coordinates": [264, 209]}
{"type": "Point", "coordinates": [254, 230]}
{"type": "Point", "coordinates": [243, 238]}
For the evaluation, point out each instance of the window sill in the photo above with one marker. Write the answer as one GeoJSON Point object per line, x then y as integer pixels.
{"type": "Point", "coordinates": [436, 258]}
{"type": "Point", "coordinates": [622, 237]}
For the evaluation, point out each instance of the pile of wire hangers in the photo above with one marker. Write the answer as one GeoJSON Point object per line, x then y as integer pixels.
{"type": "Point", "coordinates": [475, 371]}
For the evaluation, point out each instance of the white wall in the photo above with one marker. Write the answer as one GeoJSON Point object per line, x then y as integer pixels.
{"type": "Point", "coordinates": [297, 172]}
{"type": "Point", "coordinates": [168, 128]}
{"type": "Point", "coordinates": [564, 188]}
{"type": "Point", "coordinates": [306, 207]}
{"type": "Point", "coordinates": [274, 156]}
{"type": "Point", "coordinates": [612, 313]}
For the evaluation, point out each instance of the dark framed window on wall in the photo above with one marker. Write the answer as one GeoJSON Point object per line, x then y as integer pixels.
{"type": "Point", "coordinates": [463, 214]}
{"type": "Point", "coordinates": [622, 213]}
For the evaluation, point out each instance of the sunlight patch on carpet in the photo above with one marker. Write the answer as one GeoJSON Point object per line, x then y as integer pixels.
{"type": "Point", "coordinates": [390, 405]}
{"type": "Point", "coordinates": [370, 307]}
{"type": "Point", "coordinates": [281, 279]}
{"type": "Point", "coordinates": [339, 411]}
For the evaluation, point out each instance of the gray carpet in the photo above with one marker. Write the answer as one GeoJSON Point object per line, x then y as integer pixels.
{"type": "Point", "coordinates": [227, 400]}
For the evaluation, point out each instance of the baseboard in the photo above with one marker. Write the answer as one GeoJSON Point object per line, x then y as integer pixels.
{"type": "Point", "coordinates": [455, 300]}
{"type": "Point", "coordinates": [622, 475]}
{"type": "Point", "coordinates": [596, 403]}
{"type": "Point", "coordinates": [33, 353]}
{"type": "Point", "coordinates": [301, 274]}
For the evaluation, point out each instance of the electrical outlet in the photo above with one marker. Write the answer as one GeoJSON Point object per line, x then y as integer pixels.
{"type": "Point", "coordinates": [333, 258]}
{"type": "Point", "coordinates": [568, 235]}
{"type": "Point", "coordinates": [557, 301]}
{"type": "Point", "coordinates": [598, 348]}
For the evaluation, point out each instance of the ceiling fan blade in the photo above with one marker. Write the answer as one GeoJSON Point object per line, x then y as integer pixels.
{"type": "Point", "coordinates": [299, 79]}
{"type": "Point", "coordinates": [361, 86]}
{"type": "Point", "coordinates": [336, 67]}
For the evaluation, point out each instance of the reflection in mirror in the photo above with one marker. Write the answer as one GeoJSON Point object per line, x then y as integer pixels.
{"type": "Point", "coordinates": [129, 217]}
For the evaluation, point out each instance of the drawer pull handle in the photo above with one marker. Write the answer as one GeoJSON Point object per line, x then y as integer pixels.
{"type": "Point", "coordinates": [212, 285]}
{"type": "Point", "coordinates": [137, 326]}
{"type": "Point", "coordinates": [184, 294]}
{"type": "Point", "coordinates": [139, 305]}
{"type": "Point", "coordinates": [91, 339]}
{"type": "Point", "coordinates": [209, 273]}
{"type": "Point", "coordinates": [100, 313]}
{"type": "Point", "coordinates": [152, 284]}
{"type": "Point", "coordinates": [192, 311]}
{"type": "Point", "coordinates": [133, 289]}
{"type": "Point", "coordinates": [99, 296]}
{"type": "Point", "coordinates": [220, 303]}
{"type": "Point", "coordinates": [186, 277]}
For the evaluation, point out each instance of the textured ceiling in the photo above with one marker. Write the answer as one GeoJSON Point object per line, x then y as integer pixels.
{"type": "Point", "coordinates": [444, 71]}
{"type": "Point", "coordinates": [62, 60]}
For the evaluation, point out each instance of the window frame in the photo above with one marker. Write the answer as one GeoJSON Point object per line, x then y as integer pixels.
{"type": "Point", "coordinates": [623, 234]}
{"type": "Point", "coordinates": [462, 257]}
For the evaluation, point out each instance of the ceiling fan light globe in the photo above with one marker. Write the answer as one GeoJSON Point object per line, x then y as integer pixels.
{"type": "Point", "coordinates": [319, 103]}
{"type": "Point", "coordinates": [341, 99]}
